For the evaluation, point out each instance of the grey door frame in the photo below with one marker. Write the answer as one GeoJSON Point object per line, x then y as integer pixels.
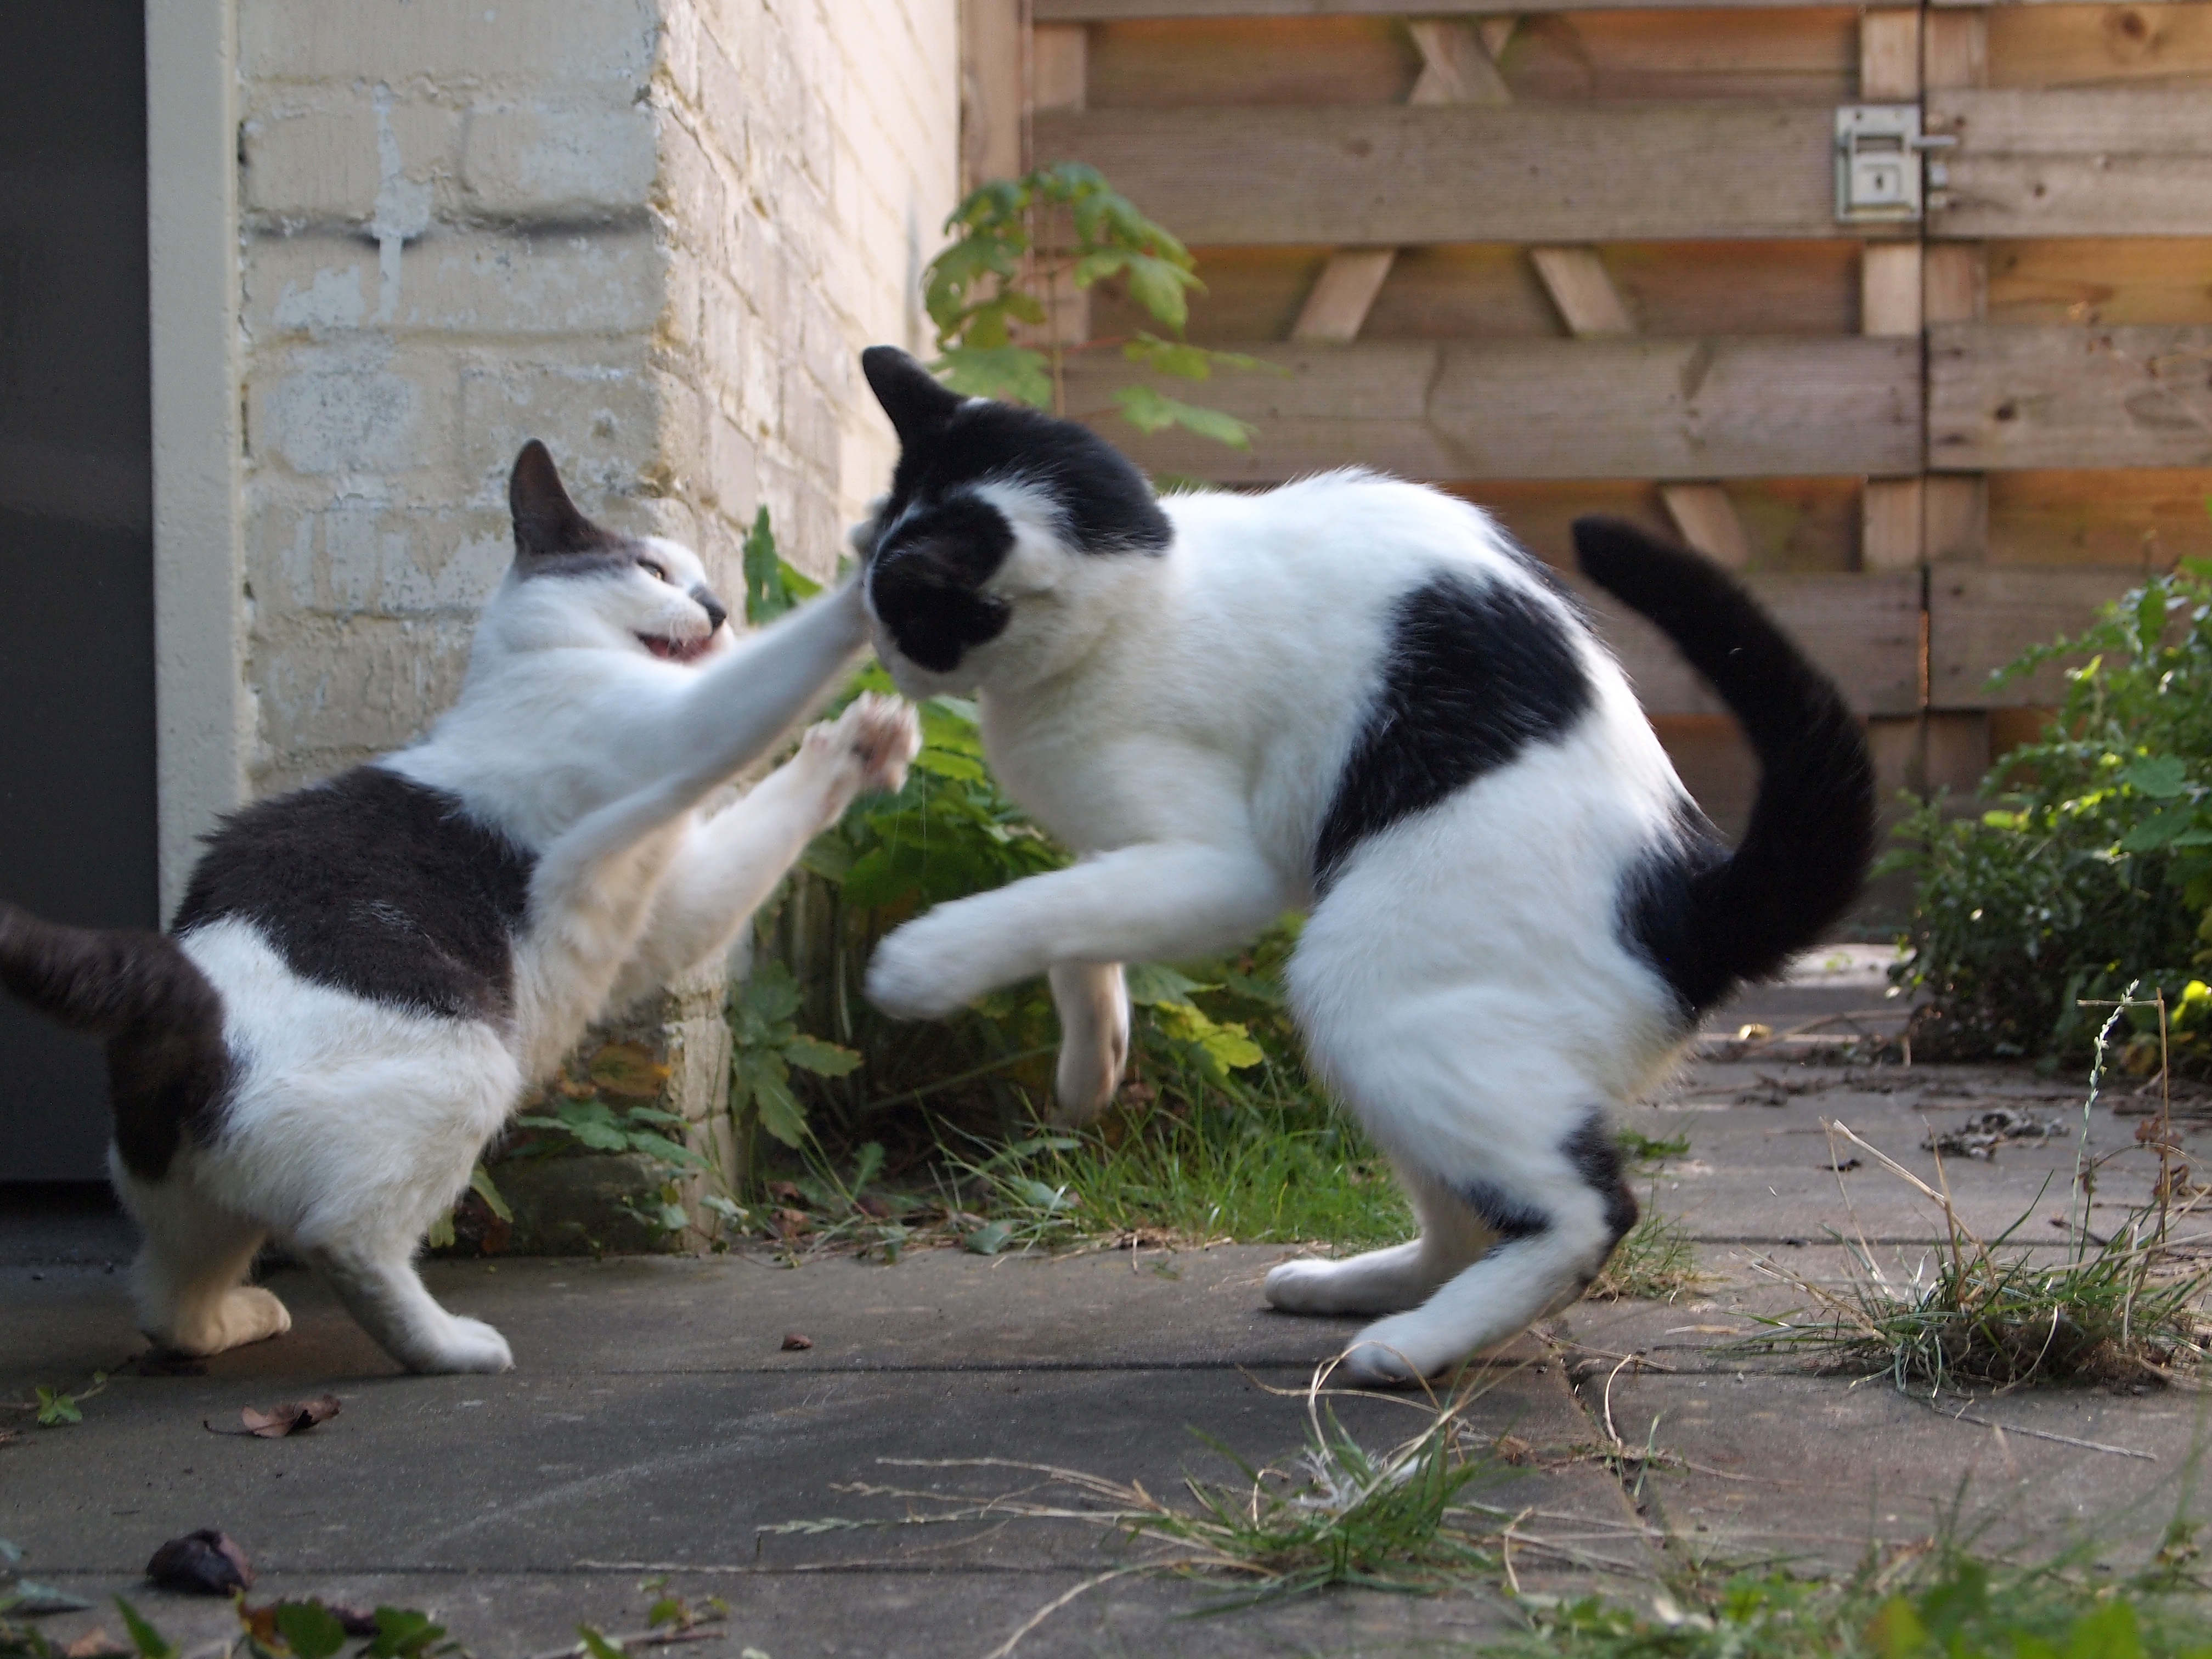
{"type": "Point", "coordinates": [203, 714]}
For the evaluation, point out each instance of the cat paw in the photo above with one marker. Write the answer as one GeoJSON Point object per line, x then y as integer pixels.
{"type": "Point", "coordinates": [466, 1345]}
{"type": "Point", "coordinates": [1397, 1354]}
{"type": "Point", "coordinates": [865, 748]}
{"type": "Point", "coordinates": [1094, 1041]}
{"type": "Point", "coordinates": [1303, 1286]}
{"type": "Point", "coordinates": [243, 1314]}
{"type": "Point", "coordinates": [914, 976]}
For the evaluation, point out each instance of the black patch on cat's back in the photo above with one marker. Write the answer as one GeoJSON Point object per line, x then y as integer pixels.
{"type": "Point", "coordinates": [1475, 671]}
{"type": "Point", "coordinates": [378, 886]}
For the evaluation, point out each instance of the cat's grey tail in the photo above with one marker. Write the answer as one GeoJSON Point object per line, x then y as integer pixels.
{"type": "Point", "coordinates": [1710, 919]}
{"type": "Point", "coordinates": [106, 981]}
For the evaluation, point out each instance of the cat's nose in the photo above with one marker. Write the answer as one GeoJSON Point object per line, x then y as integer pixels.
{"type": "Point", "coordinates": [715, 615]}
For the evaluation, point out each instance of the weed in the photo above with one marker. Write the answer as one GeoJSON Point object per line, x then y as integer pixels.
{"type": "Point", "coordinates": [2113, 1310]}
{"type": "Point", "coordinates": [2093, 865]}
{"type": "Point", "coordinates": [1651, 1150]}
{"type": "Point", "coordinates": [1931, 1600]}
{"type": "Point", "coordinates": [1654, 1261]}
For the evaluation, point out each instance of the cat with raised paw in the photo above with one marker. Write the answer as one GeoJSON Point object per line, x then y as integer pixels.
{"type": "Point", "coordinates": [366, 975]}
{"type": "Point", "coordinates": [1355, 696]}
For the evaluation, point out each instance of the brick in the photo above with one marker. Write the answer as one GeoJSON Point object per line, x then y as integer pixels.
{"type": "Point", "coordinates": [455, 282]}
{"type": "Point", "coordinates": [601, 420]}
{"type": "Point", "coordinates": [331, 158]}
{"type": "Point", "coordinates": [561, 162]}
{"type": "Point", "coordinates": [466, 42]}
{"type": "Point", "coordinates": [359, 407]}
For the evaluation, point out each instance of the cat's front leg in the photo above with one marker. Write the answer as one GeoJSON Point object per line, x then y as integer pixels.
{"type": "Point", "coordinates": [1092, 1001]}
{"type": "Point", "coordinates": [1157, 902]}
{"type": "Point", "coordinates": [732, 862]}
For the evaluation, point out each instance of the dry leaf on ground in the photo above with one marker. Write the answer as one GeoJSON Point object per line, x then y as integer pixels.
{"type": "Point", "coordinates": [287, 1417]}
{"type": "Point", "coordinates": [792, 1342]}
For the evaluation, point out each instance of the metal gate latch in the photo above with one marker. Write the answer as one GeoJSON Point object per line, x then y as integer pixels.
{"type": "Point", "coordinates": [1878, 172]}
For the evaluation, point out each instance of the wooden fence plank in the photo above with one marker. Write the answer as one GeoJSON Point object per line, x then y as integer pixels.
{"type": "Point", "coordinates": [2015, 397]}
{"type": "Point", "coordinates": [2072, 163]}
{"type": "Point", "coordinates": [1863, 630]}
{"type": "Point", "coordinates": [1982, 616]}
{"type": "Point", "coordinates": [1634, 408]}
{"type": "Point", "coordinates": [1333, 175]}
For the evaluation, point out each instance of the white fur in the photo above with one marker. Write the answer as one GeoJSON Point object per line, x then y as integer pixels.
{"type": "Point", "coordinates": [353, 1124]}
{"type": "Point", "coordinates": [1183, 720]}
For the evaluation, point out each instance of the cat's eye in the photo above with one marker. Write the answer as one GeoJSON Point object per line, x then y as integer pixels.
{"type": "Point", "coordinates": [652, 570]}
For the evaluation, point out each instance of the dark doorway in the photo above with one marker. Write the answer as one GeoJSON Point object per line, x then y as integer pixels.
{"type": "Point", "coordinates": [76, 600]}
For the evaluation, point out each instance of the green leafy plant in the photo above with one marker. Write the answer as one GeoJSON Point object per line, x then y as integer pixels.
{"type": "Point", "coordinates": [1654, 1261]}
{"type": "Point", "coordinates": [2092, 866]}
{"type": "Point", "coordinates": [57, 1409]}
{"type": "Point", "coordinates": [1021, 245]}
{"type": "Point", "coordinates": [770, 1046]}
{"type": "Point", "coordinates": [773, 584]}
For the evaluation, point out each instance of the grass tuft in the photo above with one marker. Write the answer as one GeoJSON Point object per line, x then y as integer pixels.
{"type": "Point", "coordinates": [1654, 1261]}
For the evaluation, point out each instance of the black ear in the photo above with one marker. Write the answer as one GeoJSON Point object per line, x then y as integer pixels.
{"type": "Point", "coordinates": [546, 522]}
{"type": "Point", "coordinates": [918, 405]}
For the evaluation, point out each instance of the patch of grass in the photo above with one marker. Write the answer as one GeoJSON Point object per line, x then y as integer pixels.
{"type": "Point", "coordinates": [1651, 1151]}
{"type": "Point", "coordinates": [1656, 1261]}
{"type": "Point", "coordinates": [2118, 1308]}
{"type": "Point", "coordinates": [1290, 1171]}
{"type": "Point", "coordinates": [1926, 1601]}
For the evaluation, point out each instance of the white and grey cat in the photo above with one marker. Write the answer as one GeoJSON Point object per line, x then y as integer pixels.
{"type": "Point", "coordinates": [1355, 695]}
{"type": "Point", "coordinates": [365, 975]}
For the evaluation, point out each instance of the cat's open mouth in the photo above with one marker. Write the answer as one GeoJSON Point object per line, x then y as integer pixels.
{"type": "Point", "coordinates": [676, 650]}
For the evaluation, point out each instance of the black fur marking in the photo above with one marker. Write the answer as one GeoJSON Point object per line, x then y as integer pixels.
{"type": "Point", "coordinates": [551, 537]}
{"type": "Point", "coordinates": [377, 886]}
{"type": "Point", "coordinates": [1476, 672]}
{"type": "Point", "coordinates": [1507, 1216]}
{"type": "Point", "coordinates": [167, 1065]}
{"type": "Point", "coordinates": [924, 578]}
{"type": "Point", "coordinates": [1705, 919]}
{"type": "Point", "coordinates": [949, 444]}
{"type": "Point", "coordinates": [1597, 1157]}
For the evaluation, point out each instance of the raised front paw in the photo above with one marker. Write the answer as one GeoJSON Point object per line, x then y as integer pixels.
{"type": "Point", "coordinates": [913, 975]}
{"type": "Point", "coordinates": [865, 748]}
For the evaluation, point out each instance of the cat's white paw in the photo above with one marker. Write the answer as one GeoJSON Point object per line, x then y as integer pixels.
{"type": "Point", "coordinates": [1397, 1353]}
{"type": "Point", "coordinates": [865, 748]}
{"type": "Point", "coordinates": [1304, 1286]}
{"type": "Point", "coordinates": [467, 1345]}
{"type": "Point", "coordinates": [1094, 1041]}
{"type": "Point", "coordinates": [914, 975]}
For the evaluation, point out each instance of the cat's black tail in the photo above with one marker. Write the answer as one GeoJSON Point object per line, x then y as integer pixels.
{"type": "Point", "coordinates": [105, 980]}
{"type": "Point", "coordinates": [1711, 920]}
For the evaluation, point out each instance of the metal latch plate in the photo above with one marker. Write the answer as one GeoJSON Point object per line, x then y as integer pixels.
{"type": "Point", "coordinates": [1878, 172]}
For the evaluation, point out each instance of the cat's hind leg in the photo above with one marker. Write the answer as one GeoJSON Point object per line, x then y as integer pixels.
{"type": "Point", "coordinates": [1390, 1280]}
{"type": "Point", "coordinates": [377, 1280]}
{"type": "Point", "coordinates": [1092, 1001]}
{"type": "Point", "coordinates": [187, 1283]}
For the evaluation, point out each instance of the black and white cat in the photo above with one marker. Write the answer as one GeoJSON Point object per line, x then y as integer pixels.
{"type": "Point", "coordinates": [1355, 695]}
{"type": "Point", "coordinates": [366, 974]}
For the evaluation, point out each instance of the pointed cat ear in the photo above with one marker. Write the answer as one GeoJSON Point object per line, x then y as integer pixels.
{"type": "Point", "coordinates": [546, 522]}
{"type": "Point", "coordinates": [918, 405]}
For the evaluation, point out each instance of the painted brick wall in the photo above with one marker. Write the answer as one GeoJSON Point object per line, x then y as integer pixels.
{"type": "Point", "coordinates": [653, 232]}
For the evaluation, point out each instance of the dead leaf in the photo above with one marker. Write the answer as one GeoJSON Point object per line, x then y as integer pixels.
{"type": "Point", "coordinates": [95, 1643]}
{"type": "Point", "coordinates": [630, 1070]}
{"type": "Point", "coordinates": [792, 1224]}
{"type": "Point", "coordinates": [793, 1342]}
{"type": "Point", "coordinates": [203, 1562]}
{"type": "Point", "coordinates": [788, 1191]}
{"type": "Point", "coordinates": [289, 1417]}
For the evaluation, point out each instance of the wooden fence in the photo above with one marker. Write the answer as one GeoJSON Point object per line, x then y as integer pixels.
{"type": "Point", "coordinates": [1583, 258]}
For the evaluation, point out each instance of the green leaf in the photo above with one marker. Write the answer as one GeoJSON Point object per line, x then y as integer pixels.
{"type": "Point", "coordinates": [1014, 374]}
{"type": "Point", "coordinates": [480, 1180]}
{"type": "Point", "coordinates": [440, 1236]}
{"type": "Point", "coordinates": [988, 1239]}
{"type": "Point", "coordinates": [2161, 830]}
{"type": "Point", "coordinates": [765, 598]}
{"type": "Point", "coordinates": [668, 1151]}
{"type": "Point", "coordinates": [597, 1645]}
{"type": "Point", "coordinates": [1150, 984]}
{"type": "Point", "coordinates": [770, 993]}
{"type": "Point", "coordinates": [149, 1642]}
{"type": "Point", "coordinates": [56, 1408]}
{"type": "Point", "coordinates": [944, 764]}
{"type": "Point", "coordinates": [401, 1634]}
{"type": "Point", "coordinates": [768, 1085]}
{"type": "Point", "coordinates": [868, 1166]}
{"type": "Point", "coordinates": [1160, 286]}
{"type": "Point", "coordinates": [592, 1122]}
{"type": "Point", "coordinates": [1170, 356]}
{"type": "Point", "coordinates": [2160, 776]}
{"type": "Point", "coordinates": [1149, 410]}
{"type": "Point", "coordinates": [824, 1058]}
{"type": "Point", "coordinates": [311, 1630]}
